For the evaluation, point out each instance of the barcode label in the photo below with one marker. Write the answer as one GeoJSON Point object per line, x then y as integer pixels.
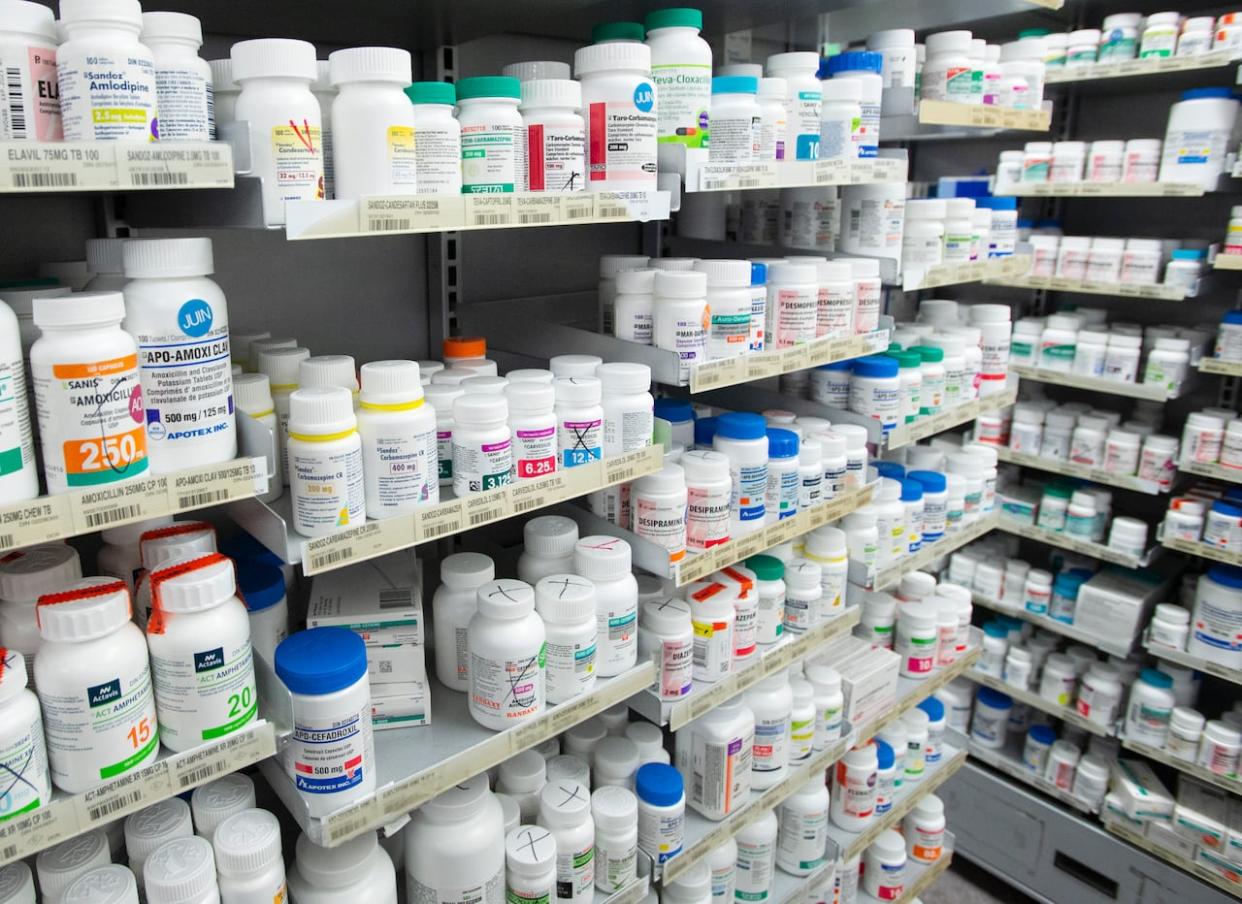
{"type": "Point", "coordinates": [396, 599]}
{"type": "Point", "coordinates": [201, 774]}
{"type": "Point", "coordinates": [578, 211]}
{"type": "Point", "coordinates": [536, 216]}
{"type": "Point", "coordinates": [158, 179]}
{"type": "Point", "coordinates": [389, 224]}
{"type": "Point", "coordinates": [198, 500]}
{"type": "Point", "coordinates": [109, 807]}
{"type": "Point", "coordinates": [17, 111]}
{"type": "Point", "coordinates": [482, 517]}
{"type": "Point", "coordinates": [7, 541]}
{"type": "Point", "coordinates": [112, 516]}
{"type": "Point", "coordinates": [45, 180]}
{"type": "Point", "coordinates": [490, 219]}
{"type": "Point", "coordinates": [333, 557]}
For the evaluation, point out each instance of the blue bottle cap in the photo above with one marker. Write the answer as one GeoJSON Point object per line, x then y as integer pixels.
{"type": "Point", "coordinates": [735, 84]}
{"type": "Point", "coordinates": [704, 430]}
{"type": "Point", "coordinates": [847, 365]}
{"type": "Point", "coordinates": [676, 411]}
{"type": "Point", "coordinates": [260, 585]}
{"type": "Point", "coordinates": [994, 699]}
{"type": "Point", "coordinates": [1232, 317]}
{"type": "Point", "coordinates": [1187, 254]}
{"type": "Point", "coordinates": [758, 273]}
{"type": "Point", "coordinates": [1207, 93]}
{"type": "Point", "coordinates": [995, 629]}
{"type": "Point", "coordinates": [1042, 734]}
{"type": "Point", "coordinates": [321, 660]}
{"type": "Point", "coordinates": [658, 784]}
{"type": "Point", "coordinates": [1226, 576]}
{"type": "Point", "coordinates": [856, 61]}
{"type": "Point", "coordinates": [782, 443]}
{"type": "Point", "coordinates": [884, 757]}
{"type": "Point", "coordinates": [997, 203]}
{"type": "Point", "coordinates": [875, 366]}
{"type": "Point", "coordinates": [741, 425]}
{"type": "Point", "coordinates": [934, 708]}
{"type": "Point", "coordinates": [1156, 678]}
{"type": "Point", "coordinates": [933, 481]}
{"type": "Point", "coordinates": [893, 469]}
{"type": "Point", "coordinates": [911, 490]}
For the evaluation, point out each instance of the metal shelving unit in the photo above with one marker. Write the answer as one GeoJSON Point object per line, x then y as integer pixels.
{"type": "Point", "coordinates": [1051, 624]}
{"type": "Point", "coordinates": [1098, 384]}
{"type": "Point", "coordinates": [1182, 658]}
{"type": "Point", "coordinates": [1073, 544]}
{"type": "Point", "coordinates": [1070, 469]}
{"type": "Point", "coordinates": [1067, 714]}
{"type": "Point", "coordinates": [1160, 755]}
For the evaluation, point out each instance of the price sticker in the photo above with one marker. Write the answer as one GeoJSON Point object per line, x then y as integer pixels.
{"type": "Point", "coordinates": [412, 213]}
{"type": "Point", "coordinates": [487, 210]}
{"type": "Point", "coordinates": [36, 521]}
{"type": "Point", "coordinates": [537, 210]}
{"type": "Point", "coordinates": [436, 521]}
{"type": "Point", "coordinates": [175, 165]}
{"type": "Point", "coordinates": [119, 503]}
{"type": "Point", "coordinates": [61, 166]}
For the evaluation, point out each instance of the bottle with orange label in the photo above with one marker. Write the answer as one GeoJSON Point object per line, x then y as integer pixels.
{"type": "Point", "coordinates": [87, 394]}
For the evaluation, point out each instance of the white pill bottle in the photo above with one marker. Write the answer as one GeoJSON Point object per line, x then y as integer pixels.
{"type": "Point", "coordinates": [454, 847]}
{"type": "Point", "coordinates": [619, 106]}
{"type": "Point", "coordinates": [106, 75]}
{"type": "Point", "coordinates": [180, 320]}
{"type": "Point", "coordinates": [93, 661]}
{"type": "Point", "coordinates": [28, 58]}
{"type": "Point", "coordinates": [373, 138]}
{"type": "Point", "coordinates": [398, 431]}
{"type": "Point", "coordinates": [437, 138]}
{"type": "Point", "coordinates": [23, 752]}
{"type": "Point", "coordinates": [325, 461]}
{"type": "Point", "coordinates": [19, 478]}
{"type": "Point", "coordinates": [183, 88]}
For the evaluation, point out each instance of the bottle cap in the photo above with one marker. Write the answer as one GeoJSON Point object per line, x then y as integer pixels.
{"type": "Point", "coordinates": [111, 884]}
{"type": "Point", "coordinates": [565, 366]}
{"type": "Point", "coordinates": [506, 599]}
{"type": "Point", "coordinates": [611, 57]}
{"type": "Point", "coordinates": [180, 871]}
{"type": "Point", "coordinates": [387, 383]}
{"type": "Point", "coordinates": [192, 583]}
{"type": "Point", "coordinates": [551, 92]}
{"type": "Point", "coordinates": [347, 864]}
{"type": "Point", "coordinates": [669, 479]}
{"type": "Point", "coordinates": [60, 865]}
{"type": "Point", "coordinates": [666, 616]}
{"type": "Point", "coordinates": [176, 540]}
{"type": "Point", "coordinates": [529, 848]}
{"type": "Point", "coordinates": [27, 574]}
{"type": "Point", "coordinates": [79, 309]}
{"type": "Point", "coordinates": [104, 255]}
{"type": "Point", "coordinates": [84, 610]}
{"type": "Point", "coordinates": [468, 570]}
{"type": "Point", "coordinates": [246, 842]}
{"type": "Point", "coordinates": [614, 808]}
{"type": "Point", "coordinates": [252, 393]}
{"type": "Point", "coordinates": [533, 69]}
{"type": "Point", "coordinates": [623, 377]}
{"type": "Point", "coordinates": [282, 365]}
{"type": "Point", "coordinates": [321, 660]}
{"type": "Point", "coordinates": [271, 58]}
{"type": "Point", "coordinates": [735, 84]}
{"type": "Point", "coordinates": [565, 803]}
{"type": "Point", "coordinates": [578, 390]}
{"type": "Point", "coordinates": [523, 772]}
{"type": "Point", "coordinates": [602, 558]}
{"type": "Point", "coordinates": [213, 803]}
{"type": "Point", "coordinates": [617, 31]}
{"type": "Point", "coordinates": [485, 86]}
{"type": "Point", "coordinates": [149, 828]}
{"type": "Point", "coordinates": [321, 411]}
{"type": "Point", "coordinates": [565, 598]}
{"type": "Point", "coordinates": [328, 370]}
{"type": "Point", "coordinates": [441, 93]}
{"type": "Point", "coordinates": [370, 64]}
{"type": "Point", "coordinates": [117, 12]}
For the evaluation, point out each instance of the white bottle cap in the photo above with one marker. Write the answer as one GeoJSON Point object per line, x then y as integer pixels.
{"type": "Point", "coordinates": [681, 284]}
{"type": "Point", "coordinates": [798, 59]}
{"type": "Point", "coordinates": [569, 767]}
{"type": "Point", "coordinates": [484, 384]}
{"type": "Point", "coordinates": [167, 258]}
{"type": "Point", "coordinates": [182, 538]}
{"type": "Point", "coordinates": [222, 76]}
{"type": "Point", "coordinates": [623, 377]}
{"type": "Point", "coordinates": [214, 802]}
{"type": "Point", "coordinates": [529, 398]}
{"type": "Point", "coordinates": [695, 883]}
{"type": "Point", "coordinates": [348, 864]}
{"type": "Point", "coordinates": [370, 64]}
{"type": "Point", "coordinates": [773, 88]}
{"type": "Point", "coordinates": [550, 535]}
{"type": "Point", "coordinates": [602, 558]}
{"type": "Point", "coordinates": [666, 616]}
{"type": "Point", "coordinates": [615, 756]}
{"type": "Point", "coordinates": [564, 366]}
{"type": "Point", "coordinates": [802, 574]}
{"type": "Point", "coordinates": [524, 772]}
{"type": "Point", "coordinates": [59, 866]}
{"type": "Point", "coordinates": [506, 599]}
{"type": "Point", "coordinates": [180, 871]}
{"type": "Point", "coordinates": [483, 410]}
{"type": "Point", "coordinates": [172, 27]}
{"type": "Point", "coordinates": [428, 369]}
{"type": "Point", "coordinates": [784, 272]}
{"type": "Point", "coordinates": [649, 740]}
{"type": "Point", "coordinates": [613, 807]}
{"type": "Point", "coordinates": [826, 542]}
{"type": "Point", "coordinates": [453, 376]}
{"type": "Point", "coordinates": [532, 69]}
{"type": "Point", "coordinates": [193, 583]}
{"type": "Point", "coordinates": [124, 12]}
{"type": "Point", "coordinates": [246, 842]}
{"type": "Point", "coordinates": [669, 479]}
{"type": "Point", "coordinates": [611, 57]}
{"type": "Point", "coordinates": [104, 255]}
{"type": "Point", "coordinates": [636, 282]}
{"type": "Point", "coordinates": [704, 466]}
{"type": "Point", "coordinates": [610, 265]}
{"type": "Point", "coordinates": [568, 803]}
{"type": "Point", "coordinates": [264, 341]}
{"type": "Point", "coordinates": [863, 267]}
{"type": "Point", "coordinates": [581, 739]}
{"type": "Point", "coordinates": [823, 676]}
{"type": "Point", "coordinates": [321, 411]}
{"type": "Point", "coordinates": [79, 309]}
{"type": "Point", "coordinates": [148, 829]}
{"type": "Point", "coordinates": [111, 884]}
{"type": "Point", "coordinates": [272, 58]}
{"type": "Point", "coordinates": [467, 570]}
{"type": "Point", "coordinates": [13, 676]}
{"type": "Point", "coordinates": [725, 273]}
{"type": "Point", "coordinates": [281, 365]}
{"type": "Point", "coordinates": [328, 370]}
{"type": "Point", "coordinates": [441, 396]}
{"type": "Point", "coordinates": [84, 610]}
{"type": "Point", "coordinates": [530, 375]}
{"type": "Point", "coordinates": [252, 393]}
{"type": "Point", "coordinates": [389, 382]}
{"type": "Point", "coordinates": [33, 18]}
{"type": "Point", "coordinates": [29, 573]}
{"type": "Point", "coordinates": [529, 849]}
{"type": "Point", "coordinates": [564, 598]}
{"type": "Point", "coordinates": [131, 534]}
{"type": "Point", "coordinates": [551, 92]}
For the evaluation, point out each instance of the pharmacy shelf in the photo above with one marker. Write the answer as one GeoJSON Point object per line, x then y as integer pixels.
{"type": "Point", "coordinates": [911, 692]}
{"type": "Point", "coordinates": [1154, 291]}
{"type": "Point", "coordinates": [687, 246]}
{"type": "Point", "coordinates": [1227, 877]}
{"type": "Point", "coordinates": [1214, 471]}
{"type": "Point", "coordinates": [271, 523]}
{"type": "Point", "coordinates": [629, 894]}
{"type": "Point", "coordinates": [1009, 761]}
{"type": "Point", "coordinates": [1069, 469]}
{"type": "Point", "coordinates": [952, 758]}
{"type": "Point", "coordinates": [769, 659]}
{"type": "Point", "coordinates": [414, 764]}
{"type": "Point", "coordinates": [84, 166]}
{"type": "Point", "coordinates": [697, 566]}
{"type": "Point", "coordinates": [1067, 714]}
{"type": "Point", "coordinates": [1227, 262]}
{"type": "Point", "coordinates": [1218, 367]}
{"type": "Point", "coordinates": [945, 113]}
{"type": "Point", "coordinates": [51, 518]}
{"type": "Point", "coordinates": [1161, 755]}
{"type": "Point", "coordinates": [1051, 624]}
{"type": "Point", "coordinates": [891, 574]}
{"type": "Point", "coordinates": [67, 815]}
{"type": "Point", "coordinates": [1104, 190]}
{"type": "Point", "coordinates": [1047, 4]}
{"type": "Point", "coordinates": [918, 876]}
{"type": "Point", "coordinates": [701, 175]}
{"type": "Point", "coordinates": [1062, 75]}
{"type": "Point", "coordinates": [1182, 658]}
{"type": "Point", "coordinates": [787, 888]}
{"type": "Point", "coordinates": [1073, 544]}
{"type": "Point", "coordinates": [905, 434]}
{"type": "Point", "coordinates": [1098, 384]}
{"type": "Point", "coordinates": [1202, 550]}
{"type": "Point", "coordinates": [703, 835]}
{"type": "Point", "coordinates": [998, 268]}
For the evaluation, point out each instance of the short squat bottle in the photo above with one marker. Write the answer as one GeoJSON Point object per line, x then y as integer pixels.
{"type": "Point", "coordinates": [373, 138]}
{"type": "Point", "coordinates": [398, 431]}
{"type": "Point", "coordinates": [325, 462]}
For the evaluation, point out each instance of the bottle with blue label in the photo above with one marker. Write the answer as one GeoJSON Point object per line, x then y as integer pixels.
{"type": "Point", "coordinates": [743, 438]}
{"type": "Point", "coordinates": [180, 321]}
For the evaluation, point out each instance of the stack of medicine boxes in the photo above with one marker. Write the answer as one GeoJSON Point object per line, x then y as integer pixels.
{"type": "Point", "coordinates": [868, 677]}
{"type": "Point", "coordinates": [381, 602]}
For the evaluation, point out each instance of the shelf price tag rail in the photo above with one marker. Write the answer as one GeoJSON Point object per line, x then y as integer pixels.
{"type": "Point", "coordinates": [1154, 291]}
{"type": "Point", "coordinates": [1196, 869]}
{"type": "Point", "coordinates": [67, 815]}
{"type": "Point", "coordinates": [890, 574]}
{"type": "Point", "coordinates": [417, 763]}
{"type": "Point", "coordinates": [1213, 59]}
{"type": "Point", "coordinates": [1202, 773]}
{"type": "Point", "coordinates": [1103, 190]}
{"type": "Point", "coordinates": [1073, 544]}
{"type": "Point", "coordinates": [1224, 261]}
{"type": "Point", "coordinates": [77, 166]}
{"type": "Point", "coordinates": [1202, 550]}
{"type": "Point", "coordinates": [1214, 471]}
{"type": "Point", "coordinates": [1098, 384]}
{"type": "Point", "coordinates": [1218, 367]}
{"type": "Point", "coordinates": [1085, 472]}
{"type": "Point", "coordinates": [767, 660]}
{"type": "Point", "coordinates": [701, 175]}
{"type": "Point", "coordinates": [1051, 624]}
{"type": "Point", "coordinates": [1009, 761]}
{"type": "Point", "coordinates": [905, 434]}
{"type": "Point", "coordinates": [1182, 658]}
{"type": "Point", "coordinates": [1066, 714]}
{"type": "Point", "coordinates": [946, 113]}
{"type": "Point", "coordinates": [83, 511]}
{"type": "Point", "coordinates": [967, 272]}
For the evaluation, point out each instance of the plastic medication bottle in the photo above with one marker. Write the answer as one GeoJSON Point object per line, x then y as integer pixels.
{"type": "Point", "coordinates": [1203, 120]}
{"type": "Point", "coordinates": [667, 635]}
{"type": "Point", "coordinates": [555, 135]}
{"type": "Point", "coordinates": [325, 670]}
{"type": "Point", "coordinates": [211, 804]}
{"type": "Point", "coordinates": [681, 67]}
{"type": "Point", "coordinates": [23, 752]}
{"type": "Point", "coordinates": [615, 812]}
{"type": "Point", "coordinates": [177, 315]}
{"type": "Point", "coordinates": [793, 304]}
{"type": "Point", "coordinates": [20, 479]}
{"type": "Point", "coordinates": [802, 102]}
{"type": "Point", "coordinates": [437, 138]}
{"type": "Point", "coordinates": [840, 135]}
{"type": "Point", "coordinates": [90, 642]}
{"type": "Point", "coordinates": [718, 746]}
{"type": "Point", "coordinates": [482, 444]}
{"type": "Point", "coordinates": [736, 119]}
{"type": "Point", "coordinates": [756, 858]}
{"type": "Point", "coordinates": [680, 319]}
{"type": "Point", "coordinates": [854, 789]}
{"type": "Point", "coordinates": [506, 642]}
{"type": "Point", "coordinates": [771, 702]}
{"type": "Point", "coordinates": [28, 53]}
{"type": "Point", "coordinates": [454, 846]}
{"type": "Point", "coordinates": [183, 80]}
{"type": "Point", "coordinates": [81, 347]}
{"type": "Point", "coordinates": [109, 884]}
{"type": "Point", "coordinates": [865, 68]}
{"type": "Point", "coordinates": [729, 306]}
{"type": "Point", "coordinates": [61, 865]}
{"type": "Point", "coordinates": [661, 810]}
{"type": "Point", "coordinates": [198, 624]}
{"type": "Point", "coordinates": [286, 128]}
{"type": "Point", "coordinates": [565, 810]}
{"type": "Point", "coordinates": [493, 146]}
{"type": "Point", "coordinates": [24, 577]}
{"type": "Point", "coordinates": [607, 562]}
{"type": "Point", "coordinates": [530, 865]}
{"type": "Point", "coordinates": [619, 106]}
{"type": "Point", "coordinates": [357, 868]}
{"type": "Point", "coordinates": [373, 123]}
{"type": "Point", "coordinates": [579, 420]}
{"type": "Point", "coordinates": [249, 867]}
{"type": "Point", "coordinates": [325, 461]}
{"type": "Point", "coordinates": [104, 36]}
{"type": "Point", "coordinates": [802, 838]}
{"type": "Point", "coordinates": [454, 604]}
{"type": "Point", "coordinates": [566, 603]}
{"type": "Point", "coordinates": [633, 305]}
{"type": "Point", "coordinates": [398, 433]}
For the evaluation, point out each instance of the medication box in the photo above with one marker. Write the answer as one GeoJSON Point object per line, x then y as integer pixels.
{"type": "Point", "coordinates": [1201, 815]}
{"type": "Point", "coordinates": [1218, 865]}
{"type": "Point", "coordinates": [1163, 835]}
{"type": "Point", "coordinates": [868, 678]}
{"type": "Point", "coordinates": [1138, 792]}
{"type": "Point", "coordinates": [1117, 604]}
{"type": "Point", "coordinates": [380, 600]}
{"type": "Point", "coordinates": [400, 705]}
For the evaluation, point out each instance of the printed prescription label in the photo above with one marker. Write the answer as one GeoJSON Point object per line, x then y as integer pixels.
{"type": "Point", "coordinates": [31, 107]}
{"type": "Point", "coordinates": [402, 165]}
{"type": "Point", "coordinates": [328, 756]}
{"type": "Point", "coordinates": [16, 444]}
{"type": "Point", "coordinates": [509, 688]}
{"type": "Point", "coordinates": [108, 98]}
{"type": "Point", "coordinates": [492, 159]}
{"type": "Point", "coordinates": [298, 155]}
{"type": "Point", "coordinates": [214, 687]}
{"type": "Point", "coordinates": [621, 139]}
{"type": "Point", "coordinates": [90, 417]}
{"type": "Point", "coordinates": [534, 452]}
{"type": "Point", "coordinates": [328, 490]}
